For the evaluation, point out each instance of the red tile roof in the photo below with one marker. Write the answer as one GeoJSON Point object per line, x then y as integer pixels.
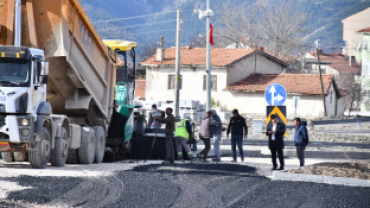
{"type": "Point", "coordinates": [197, 56]}
{"type": "Point", "coordinates": [339, 63]}
{"type": "Point", "coordinates": [140, 89]}
{"type": "Point", "coordinates": [293, 83]}
{"type": "Point", "coordinates": [366, 30]}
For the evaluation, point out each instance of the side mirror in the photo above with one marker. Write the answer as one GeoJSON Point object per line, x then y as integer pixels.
{"type": "Point", "coordinates": [38, 68]}
{"type": "Point", "coordinates": [44, 74]}
{"type": "Point", "coordinates": [44, 79]}
{"type": "Point", "coordinates": [45, 68]}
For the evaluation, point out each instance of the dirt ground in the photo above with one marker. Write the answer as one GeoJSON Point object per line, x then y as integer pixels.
{"type": "Point", "coordinates": [359, 170]}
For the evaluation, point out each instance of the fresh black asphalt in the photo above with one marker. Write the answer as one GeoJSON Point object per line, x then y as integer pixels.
{"type": "Point", "coordinates": [183, 185]}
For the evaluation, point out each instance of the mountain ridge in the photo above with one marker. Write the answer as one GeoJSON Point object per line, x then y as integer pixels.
{"type": "Point", "coordinates": [325, 14]}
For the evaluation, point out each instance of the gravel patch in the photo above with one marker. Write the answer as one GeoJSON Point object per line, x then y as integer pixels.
{"type": "Point", "coordinates": [358, 170]}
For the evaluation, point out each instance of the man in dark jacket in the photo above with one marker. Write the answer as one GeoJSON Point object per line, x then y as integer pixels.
{"type": "Point", "coordinates": [236, 126]}
{"type": "Point", "coordinates": [170, 128]}
{"type": "Point", "coordinates": [275, 132]}
{"type": "Point", "coordinates": [300, 139]}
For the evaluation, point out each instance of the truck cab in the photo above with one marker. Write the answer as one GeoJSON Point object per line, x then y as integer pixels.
{"type": "Point", "coordinates": [22, 90]}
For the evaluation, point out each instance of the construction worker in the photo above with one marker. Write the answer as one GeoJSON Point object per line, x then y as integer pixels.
{"type": "Point", "coordinates": [170, 128]}
{"type": "Point", "coordinates": [154, 113]}
{"type": "Point", "coordinates": [182, 135]}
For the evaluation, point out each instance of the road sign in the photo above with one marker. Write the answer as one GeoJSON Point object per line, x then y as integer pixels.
{"type": "Point", "coordinates": [275, 95]}
{"type": "Point", "coordinates": [280, 113]}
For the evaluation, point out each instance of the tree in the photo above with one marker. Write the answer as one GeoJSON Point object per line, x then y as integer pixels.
{"type": "Point", "coordinates": [199, 41]}
{"type": "Point", "coordinates": [147, 50]}
{"type": "Point", "coordinates": [352, 90]}
{"type": "Point", "coordinates": [282, 27]}
{"type": "Point", "coordinates": [238, 24]}
{"type": "Point", "coordinates": [278, 26]}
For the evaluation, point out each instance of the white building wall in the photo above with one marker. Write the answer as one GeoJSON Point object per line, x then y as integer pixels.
{"type": "Point", "coordinates": [310, 106]}
{"type": "Point", "coordinates": [192, 85]}
{"type": "Point", "coordinates": [254, 64]}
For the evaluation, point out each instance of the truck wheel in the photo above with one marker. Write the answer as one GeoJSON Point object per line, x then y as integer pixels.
{"type": "Point", "coordinates": [40, 157]}
{"type": "Point", "coordinates": [7, 157]}
{"type": "Point", "coordinates": [72, 156]}
{"type": "Point", "coordinates": [99, 144]}
{"type": "Point", "coordinates": [60, 153]}
{"type": "Point", "coordinates": [20, 156]}
{"type": "Point", "coordinates": [86, 153]}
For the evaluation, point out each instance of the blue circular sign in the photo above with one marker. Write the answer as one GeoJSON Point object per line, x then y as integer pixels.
{"type": "Point", "coordinates": [275, 95]}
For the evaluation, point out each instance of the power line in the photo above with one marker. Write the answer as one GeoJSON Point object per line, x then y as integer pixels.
{"type": "Point", "coordinates": [126, 18]}
{"type": "Point", "coordinates": [155, 31]}
{"type": "Point", "coordinates": [139, 25]}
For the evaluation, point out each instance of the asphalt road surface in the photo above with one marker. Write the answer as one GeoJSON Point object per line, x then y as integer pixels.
{"type": "Point", "coordinates": [182, 185]}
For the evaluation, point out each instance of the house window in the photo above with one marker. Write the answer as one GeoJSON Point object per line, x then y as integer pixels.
{"type": "Point", "coordinates": [213, 82]}
{"type": "Point", "coordinates": [171, 81]}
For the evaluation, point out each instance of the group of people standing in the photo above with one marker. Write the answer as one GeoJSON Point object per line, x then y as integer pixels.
{"type": "Point", "coordinates": [211, 127]}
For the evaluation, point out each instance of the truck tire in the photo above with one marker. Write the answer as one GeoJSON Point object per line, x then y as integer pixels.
{"type": "Point", "coordinates": [60, 152]}
{"type": "Point", "coordinates": [7, 157]}
{"type": "Point", "coordinates": [40, 157]}
{"type": "Point", "coordinates": [20, 156]}
{"type": "Point", "coordinates": [86, 153]}
{"type": "Point", "coordinates": [72, 156]}
{"type": "Point", "coordinates": [99, 144]}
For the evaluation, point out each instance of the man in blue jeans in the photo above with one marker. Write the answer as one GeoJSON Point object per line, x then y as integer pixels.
{"type": "Point", "coordinates": [300, 139]}
{"type": "Point", "coordinates": [236, 126]}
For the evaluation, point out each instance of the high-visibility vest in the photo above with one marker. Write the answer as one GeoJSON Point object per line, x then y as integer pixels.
{"type": "Point", "coordinates": [181, 130]}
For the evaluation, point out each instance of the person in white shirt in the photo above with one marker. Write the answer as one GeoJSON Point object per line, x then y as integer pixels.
{"type": "Point", "coordinates": [275, 131]}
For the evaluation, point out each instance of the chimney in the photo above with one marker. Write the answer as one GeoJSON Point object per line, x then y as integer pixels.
{"type": "Point", "coordinates": [352, 61]}
{"type": "Point", "coordinates": [160, 50]}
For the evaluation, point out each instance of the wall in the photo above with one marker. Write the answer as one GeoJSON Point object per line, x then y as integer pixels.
{"type": "Point", "coordinates": [365, 107]}
{"type": "Point", "coordinates": [351, 25]}
{"type": "Point", "coordinates": [192, 86]}
{"type": "Point", "coordinates": [313, 68]}
{"type": "Point", "coordinates": [310, 106]}
{"type": "Point", "coordinates": [334, 106]}
{"type": "Point", "coordinates": [253, 64]}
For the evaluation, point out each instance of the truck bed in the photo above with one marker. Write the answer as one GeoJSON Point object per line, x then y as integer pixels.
{"type": "Point", "coordinates": [82, 69]}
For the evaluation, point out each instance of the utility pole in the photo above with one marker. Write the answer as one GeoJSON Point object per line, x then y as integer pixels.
{"type": "Point", "coordinates": [208, 13]}
{"type": "Point", "coordinates": [322, 84]}
{"type": "Point", "coordinates": [178, 63]}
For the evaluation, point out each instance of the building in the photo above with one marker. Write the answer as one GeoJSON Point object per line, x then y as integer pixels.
{"type": "Point", "coordinates": [305, 86]}
{"type": "Point", "coordinates": [336, 64]}
{"type": "Point", "coordinates": [351, 25]}
{"type": "Point", "coordinates": [140, 89]}
{"type": "Point", "coordinates": [365, 56]}
{"type": "Point", "coordinates": [230, 67]}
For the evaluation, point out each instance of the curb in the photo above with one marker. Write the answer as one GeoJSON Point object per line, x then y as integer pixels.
{"type": "Point", "coordinates": [284, 176]}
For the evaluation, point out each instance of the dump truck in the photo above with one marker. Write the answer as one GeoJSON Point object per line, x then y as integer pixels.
{"type": "Point", "coordinates": [57, 84]}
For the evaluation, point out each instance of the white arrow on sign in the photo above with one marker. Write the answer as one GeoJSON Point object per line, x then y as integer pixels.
{"type": "Point", "coordinates": [273, 98]}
